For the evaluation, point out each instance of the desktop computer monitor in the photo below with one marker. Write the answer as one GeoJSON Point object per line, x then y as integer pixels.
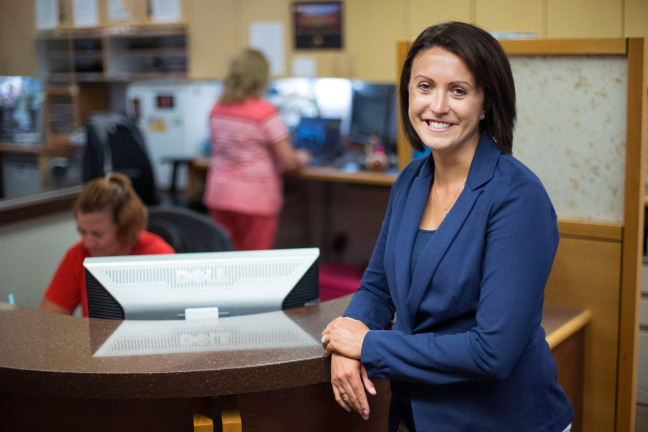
{"type": "Point", "coordinates": [320, 136]}
{"type": "Point", "coordinates": [159, 287]}
{"type": "Point", "coordinates": [21, 111]}
{"type": "Point", "coordinates": [373, 112]}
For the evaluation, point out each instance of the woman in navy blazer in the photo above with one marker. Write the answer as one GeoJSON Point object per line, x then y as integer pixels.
{"type": "Point", "coordinates": [461, 262]}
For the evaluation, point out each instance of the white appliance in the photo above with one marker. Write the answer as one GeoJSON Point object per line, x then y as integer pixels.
{"type": "Point", "coordinates": [174, 118]}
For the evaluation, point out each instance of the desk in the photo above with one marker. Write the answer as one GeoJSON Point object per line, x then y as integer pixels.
{"type": "Point", "coordinates": [50, 374]}
{"type": "Point", "coordinates": [198, 169]}
{"type": "Point", "coordinates": [317, 219]}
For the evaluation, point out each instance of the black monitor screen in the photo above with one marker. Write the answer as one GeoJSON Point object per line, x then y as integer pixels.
{"type": "Point", "coordinates": [373, 112]}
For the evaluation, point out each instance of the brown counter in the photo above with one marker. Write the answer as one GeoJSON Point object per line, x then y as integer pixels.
{"type": "Point", "coordinates": [64, 363]}
{"type": "Point", "coordinates": [49, 354]}
{"type": "Point", "coordinates": [36, 205]}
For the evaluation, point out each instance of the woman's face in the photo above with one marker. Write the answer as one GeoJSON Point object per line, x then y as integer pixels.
{"type": "Point", "coordinates": [99, 234]}
{"type": "Point", "coordinates": [445, 105]}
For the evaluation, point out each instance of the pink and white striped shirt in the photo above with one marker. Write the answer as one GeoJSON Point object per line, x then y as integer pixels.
{"type": "Point", "coordinates": [243, 175]}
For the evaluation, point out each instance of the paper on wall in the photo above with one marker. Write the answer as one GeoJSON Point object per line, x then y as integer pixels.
{"type": "Point", "coordinates": [267, 37]}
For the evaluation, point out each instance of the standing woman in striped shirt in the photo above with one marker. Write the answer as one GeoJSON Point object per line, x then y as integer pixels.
{"type": "Point", "coordinates": [250, 150]}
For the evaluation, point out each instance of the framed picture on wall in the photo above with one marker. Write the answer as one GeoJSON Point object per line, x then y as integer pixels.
{"type": "Point", "coordinates": [317, 25]}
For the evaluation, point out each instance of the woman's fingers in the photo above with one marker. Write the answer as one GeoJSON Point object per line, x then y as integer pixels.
{"type": "Point", "coordinates": [348, 386]}
{"type": "Point", "coordinates": [368, 384]}
{"type": "Point", "coordinates": [339, 399]}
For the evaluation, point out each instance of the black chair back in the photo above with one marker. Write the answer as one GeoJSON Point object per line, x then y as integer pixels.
{"type": "Point", "coordinates": [188, 230]}
{"type": "Point", "coordinates": [115, 143]}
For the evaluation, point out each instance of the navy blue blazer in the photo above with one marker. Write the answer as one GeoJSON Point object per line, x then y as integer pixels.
{"type": "Point", "coordinates": [467, 340]}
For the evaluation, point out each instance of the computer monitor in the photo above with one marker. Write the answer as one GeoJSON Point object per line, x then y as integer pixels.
{"type": "Point", "coordinates": [320, 136]}
{"type": "Point", "coordinates": [21, 110]}
{"type": "Point", "coordinates": [373, 112]}
{"type": "Point", "coordinates": [159, 287]}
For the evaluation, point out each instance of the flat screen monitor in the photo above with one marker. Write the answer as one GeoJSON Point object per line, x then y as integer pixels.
{"type": "Point", "coordinates": [320, 136]}
{"type": "Point", "coordinates": [21, 110]}
{"type": "Point", "coordinates": [373, 112]}
{"type": "Point", "coordinates": [159, 287]}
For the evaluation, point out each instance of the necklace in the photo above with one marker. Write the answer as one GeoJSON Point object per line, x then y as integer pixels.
{"type": "Point", "coordinates": [445, 208]}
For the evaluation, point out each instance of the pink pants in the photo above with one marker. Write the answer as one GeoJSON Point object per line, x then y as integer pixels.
{"type": "Point", "coordinates": [248, 232]}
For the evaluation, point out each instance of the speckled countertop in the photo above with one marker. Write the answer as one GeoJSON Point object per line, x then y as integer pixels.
{"type": "Point", "coordinates": [48, 354]}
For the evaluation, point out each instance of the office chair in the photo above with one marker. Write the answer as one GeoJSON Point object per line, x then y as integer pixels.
{"type": "Point", "coordinates": [188, 230]}
{"type": "Point", "coordinates": [115, 143]}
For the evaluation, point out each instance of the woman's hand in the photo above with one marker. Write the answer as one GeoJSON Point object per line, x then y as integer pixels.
{"type": "Point", "coordinates": [345, 336]}
{"type": "Point", "coordinates": [349, 380]}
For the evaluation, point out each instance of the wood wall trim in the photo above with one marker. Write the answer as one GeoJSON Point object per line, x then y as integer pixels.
{"type": "Point", "coordinates": [565, 46]}
{"type": "Point", "coordinates": [635, 178]}
{"type": "Point", "coordinates": [590, 229]}
{"type": "Point", "coordinates": [403, 149]}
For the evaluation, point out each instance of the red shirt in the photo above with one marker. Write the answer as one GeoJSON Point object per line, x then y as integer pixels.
{"type": "Point", "coordinates": [67, 288]}
{"type": "Point", "coordinates": [243, 175]}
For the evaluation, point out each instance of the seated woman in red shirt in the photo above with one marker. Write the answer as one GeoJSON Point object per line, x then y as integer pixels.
{"type": "Point", "coordinates": [111, 220]}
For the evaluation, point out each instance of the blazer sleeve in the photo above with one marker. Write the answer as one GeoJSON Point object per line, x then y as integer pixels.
{"type": "Point", "coordinates": [521, 238]}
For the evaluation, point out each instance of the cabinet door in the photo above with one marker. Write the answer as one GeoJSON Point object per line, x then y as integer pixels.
{"type": "Point", "coordinates": [123, 12]}
{"type": "Point", "coordinates": [67, 14]}
{"type": "Point", "coordinates": [163, 12]}
{"type": "Point", "coordinates": [84, 13]}
{"type": "Point", "coordinates": [143, 12]}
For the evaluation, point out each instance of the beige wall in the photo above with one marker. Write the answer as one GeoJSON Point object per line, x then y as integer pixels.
{"type": "Point", "coordinates": [32, 250]}
{"type": "Point", "coordinates": [372, 27]}
{"type": "Point", "coordinates": [17, 53]}
{"type": "Point", "coordinates": [219, 28]}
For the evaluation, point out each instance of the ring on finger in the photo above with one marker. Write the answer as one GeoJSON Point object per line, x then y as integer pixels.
{"type": "Point", "coordinates": [343, 392]}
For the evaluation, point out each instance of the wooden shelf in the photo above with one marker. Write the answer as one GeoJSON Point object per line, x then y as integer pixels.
{"type": "Point", "coordinates": [113, 54]}
{"type": "Point", "coordinates": [153, 52]}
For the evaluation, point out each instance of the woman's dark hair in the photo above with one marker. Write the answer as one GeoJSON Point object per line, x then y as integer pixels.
{"type": "Point", "coordinates": [489, 65]}
{"type": "Point", "coordinates": [114, 192]}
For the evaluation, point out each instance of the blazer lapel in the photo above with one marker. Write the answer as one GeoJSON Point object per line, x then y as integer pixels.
{"type": "Point", "coordinates": [481, 170]}
{"type": "Point", "coordinates": [410, 220]}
